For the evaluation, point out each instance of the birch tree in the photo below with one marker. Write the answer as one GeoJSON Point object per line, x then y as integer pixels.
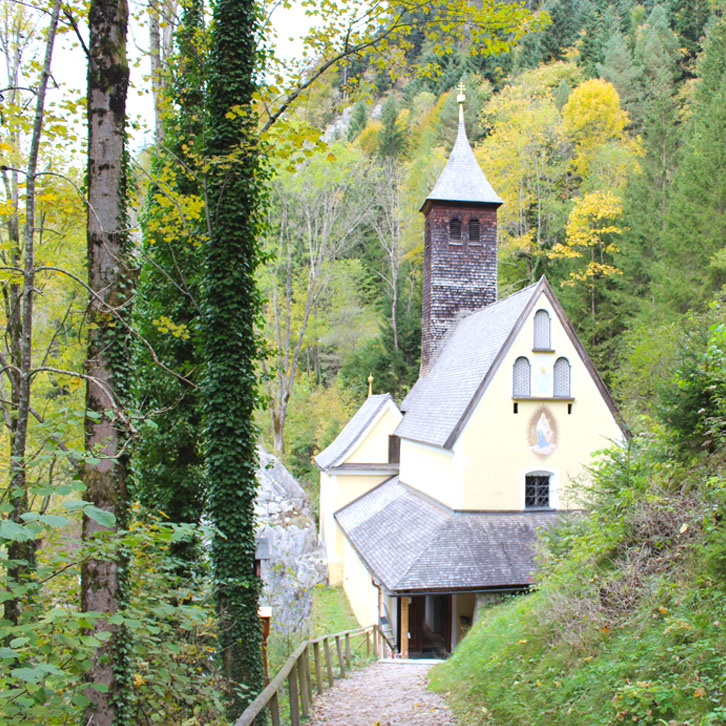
{"type": "Point", "coordinates": [315, 217]}
{"type": "Point", "coordinates": [19, 269]}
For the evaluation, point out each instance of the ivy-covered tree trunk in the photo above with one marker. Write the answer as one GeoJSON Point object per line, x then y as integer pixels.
{"type": "Point", "coordinates": [108, 277]}
{"type": "Point", "coordinates": [230, 308]}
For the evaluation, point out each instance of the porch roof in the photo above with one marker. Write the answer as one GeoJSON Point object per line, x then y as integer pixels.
{"type": "Point", "coordinates": [410, 542]}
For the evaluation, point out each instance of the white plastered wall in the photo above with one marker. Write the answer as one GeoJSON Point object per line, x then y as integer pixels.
{"type": "Point", "coordinates": [493, 453]}
{"type": "Point", "coordinates": [338, 489]}
{"type": "Point", "coordinates": [372, 447]}
{"type": "Point", "coordinates": [358, 586]}
{"type": "Point", "coordinates": [431, 471]}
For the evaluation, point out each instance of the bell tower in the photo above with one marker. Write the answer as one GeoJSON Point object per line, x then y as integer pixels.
{"type": "Point", "coordinates": [460, 244]}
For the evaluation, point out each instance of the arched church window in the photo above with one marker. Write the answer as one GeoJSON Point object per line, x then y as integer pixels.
{"type": "Point", "coordinates": [521, 377]}
{"type": "Point", "coordinates": [541, 330]}
{"type": "Point", "coordinates": [474, 230]}
{"type": "Point", "coordinates": [537, 491]}
{"type": "Point", "coordinates": [562, 378]}
{"type": "Point", "coordinates": [455, 230]}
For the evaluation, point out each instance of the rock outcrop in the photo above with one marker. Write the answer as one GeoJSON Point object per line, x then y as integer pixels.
{"type": "Point", "coordinates": [288, 532]}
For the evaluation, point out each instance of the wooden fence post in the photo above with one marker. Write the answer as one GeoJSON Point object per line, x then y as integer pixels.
{"type": "Point", "coordinates": [292, 691]}
{"type": "Point", "coordinates": [328, 662]}
{"type": "Point", "coordinates": [275, 710]}
{"type": "Point", "coordinates": [347, 650]}
{"type": "Point", "coordinates": [303, 677]}
{"type": "Point", "coordinates": [341, 662]}
{"type": "Point", "coordinates": [318, 666]}
{"type": "Point", "coordinates": [308, 674]}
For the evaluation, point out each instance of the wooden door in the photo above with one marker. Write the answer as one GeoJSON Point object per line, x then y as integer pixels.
{"type": "Point", "coordinates": [416, 615]}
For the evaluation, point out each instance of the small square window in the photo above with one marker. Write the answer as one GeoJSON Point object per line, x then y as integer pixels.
{"type": "Point", "coordinates": [537, 491]}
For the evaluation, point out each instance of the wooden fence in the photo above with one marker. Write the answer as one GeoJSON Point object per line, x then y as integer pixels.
{"type": "Point", "coordinates": [301, 678]}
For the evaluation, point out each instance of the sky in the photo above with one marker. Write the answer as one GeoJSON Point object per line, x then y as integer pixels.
{"type": "Point", "coordinates": [69, 68]}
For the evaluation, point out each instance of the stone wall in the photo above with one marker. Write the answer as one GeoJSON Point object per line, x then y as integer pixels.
{"type": "Point", "coordinates": [297, 558]}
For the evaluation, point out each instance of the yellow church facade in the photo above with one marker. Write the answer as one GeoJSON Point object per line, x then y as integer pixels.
{"type": "Point", "coordinates": [430, 509]}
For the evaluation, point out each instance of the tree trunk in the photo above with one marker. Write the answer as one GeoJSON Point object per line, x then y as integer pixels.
{"type": "Point", "coordinates": [20, 330]}
{"type": "Point", "coordinates": [231, 306]}
{"type": "Point", "coordinates": [109, 280]}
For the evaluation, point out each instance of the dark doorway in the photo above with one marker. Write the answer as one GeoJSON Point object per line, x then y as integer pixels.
{"type": "Point", "coordinates": [429, 625]}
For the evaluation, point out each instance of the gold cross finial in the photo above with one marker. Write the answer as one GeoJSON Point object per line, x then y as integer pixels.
{"type": "Point", "coordinates": [460, 100]}
{"type": "Point", "coordinates": [370, 384]}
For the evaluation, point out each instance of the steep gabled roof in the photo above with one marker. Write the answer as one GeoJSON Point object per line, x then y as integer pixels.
{"type": "Point", "coordinates": [462, 179]}
{"type": "Point", "coordinates": [436, 403]}
{"type": "Point", "coordinates": [410, 542]}
{"type": "Point", "coordinates": [440, 403]}
{"type": "Point", "coordinates": [346, 439]}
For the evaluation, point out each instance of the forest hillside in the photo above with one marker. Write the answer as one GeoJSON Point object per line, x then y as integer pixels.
{"type": "Point", "coordinates": [603, 133]}
{"type": "Point", "coordinates": [237, 282]}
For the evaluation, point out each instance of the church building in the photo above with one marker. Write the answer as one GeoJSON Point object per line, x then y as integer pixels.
{"type": "Point", "coordinates": [430, 509]}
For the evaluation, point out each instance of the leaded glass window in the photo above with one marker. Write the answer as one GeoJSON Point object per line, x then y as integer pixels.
{"type": "Point", "coordinates": [562, 378]}
{"type": "Point", "coordinates": [521, 377]}
{"type": "Point", "coordinates": [541, 330]}
{"type": "Point", "coordinates": [537, 491]}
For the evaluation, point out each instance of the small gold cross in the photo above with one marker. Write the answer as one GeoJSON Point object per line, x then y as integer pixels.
{"type": "Point", "coordinates": [461, 97]}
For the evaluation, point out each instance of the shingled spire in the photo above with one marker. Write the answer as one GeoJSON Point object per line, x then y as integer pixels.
{"type": "Point", "coordinates": [460, 245]}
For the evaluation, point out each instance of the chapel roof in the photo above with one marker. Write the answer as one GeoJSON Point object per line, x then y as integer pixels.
{"type": "Point", "coordinates": [434, 407]}
{"type": "Point", "coordinates": [413, 543]}
{"type": "Point", "coordinates": [345, 440]}
{"type": "Point", "coordinates": [462, 179]}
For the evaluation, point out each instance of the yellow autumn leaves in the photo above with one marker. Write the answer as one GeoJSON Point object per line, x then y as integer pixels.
{"type": "Point", "coordinates": [560, 154]}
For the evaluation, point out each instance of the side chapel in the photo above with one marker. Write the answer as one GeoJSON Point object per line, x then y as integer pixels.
{"type": "Point", "coordinates": [430, 509]}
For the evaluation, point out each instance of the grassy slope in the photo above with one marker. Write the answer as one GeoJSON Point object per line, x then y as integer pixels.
{"type": "Point", "coordinates": [629, 625]}
{"type": "Point", "coordinates": [331, 612]}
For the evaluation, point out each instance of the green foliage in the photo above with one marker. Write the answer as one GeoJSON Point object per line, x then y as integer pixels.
{"type": "Point", "coordinates": [358, 120]}
{"type": "Point", "coordinates": [694, 405]}
{"type": "Point", "coordinates": [626, 623]}
{"type": "Point", "coordinates": [392, 140]}
{"type": "Point", "coordinates": [691, 265]}
{"type": "Point", "coordinates": [230, 309]}
{"type": "Point", "coordinates": [167, 464]}
{"type": "Point", "coordinates": [46, 657]}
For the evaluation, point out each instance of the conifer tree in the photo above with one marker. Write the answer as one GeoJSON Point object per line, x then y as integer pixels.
{"type": "Point", "coordinates": [358, 120]}
{"type": "Point", "coordinates": [619, 68]}
{"type": "Point", "coordinates": [392, 142]}
{"type": "Point", "coordinates": [648, 194]}
{"type": "Point", "coordinates": [692, 261]}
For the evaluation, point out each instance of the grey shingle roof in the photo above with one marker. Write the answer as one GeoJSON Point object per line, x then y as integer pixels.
{"type": "Point", "coordinates": [462, 179]}
{"type": "Point", "coordinates": [333, 454]}
{"type": "Point", "coordinates": [436, 404]}
{"type": "Point", "coordinates": [410, 542]}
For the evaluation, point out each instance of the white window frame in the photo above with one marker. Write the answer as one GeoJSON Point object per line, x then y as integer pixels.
{"type": "Point", "coordinates": [515, 393]}
{"type": "Point", "coordinates": [538, 315]}
{"type": "Point", "coordinates": [554, 476]}
{"type": "Point", "coordinates": [569, 379]}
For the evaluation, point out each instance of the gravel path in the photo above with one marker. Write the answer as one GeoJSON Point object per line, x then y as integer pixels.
{"type": "Point", "coordinates": [383, 694]}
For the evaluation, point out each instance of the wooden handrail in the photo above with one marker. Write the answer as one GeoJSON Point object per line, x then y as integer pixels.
{"type": "Point", "coordinates": [297, 670]}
